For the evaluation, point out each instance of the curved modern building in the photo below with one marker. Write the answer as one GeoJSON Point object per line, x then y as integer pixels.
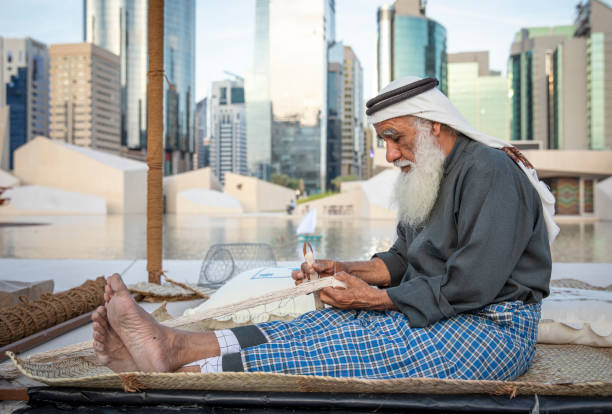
{"type": "Point", "coordinates": [410, 44]}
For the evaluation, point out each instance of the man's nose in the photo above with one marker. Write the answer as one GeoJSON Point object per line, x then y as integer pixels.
{"type": "Point", "coordinates": [393, 152]}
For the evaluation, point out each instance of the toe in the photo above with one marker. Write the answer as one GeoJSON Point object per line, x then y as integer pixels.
{"type": "Point", "coordinates": [98, 346]}
{"type": "Point", "coordinates": [116, 284]}
{"type": "Point", "coordinates": [98, 327]}
{"type": "Point", "coordinates": [98, 337]}
{"type": "Point", "coordinates": [108, 292]}
{"type": "Point", "coordinates": [99, 315]}
{"type": "Point", "coordinates": [98, 312]}
{"type": "Point", "coordinates": [95, 316]}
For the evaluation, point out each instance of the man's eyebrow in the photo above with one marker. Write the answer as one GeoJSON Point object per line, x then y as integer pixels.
{"type": "Point", "coordinates": [389, 132]}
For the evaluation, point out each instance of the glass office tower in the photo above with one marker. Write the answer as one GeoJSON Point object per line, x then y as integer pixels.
{"type": "Point", "coordinates": [258, 104]}
{"type": "Point", "coordinates": [228, 147]}
{"type": "Point", "coordinates": [26, 77]}
{"type": "Point", "coordinates": [478, 93]}
{"type": "Point", "coordinates": [596, 92]}
{"type": "Point", "coordinates": [526, 68]}
{"type": "Point", "coordinates": [287, 91]}
{"type": "Point", "coordinates": [335, 78]}
{"type": "Point", "coordinates": [121, 27]}
{"type": "Point", "coordinates": [179, 66]}
{"type": "Point", "coordinates": [410, 44]}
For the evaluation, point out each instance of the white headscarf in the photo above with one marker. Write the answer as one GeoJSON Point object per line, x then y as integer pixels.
{"type": "Point", "coordinates": [435, 106]}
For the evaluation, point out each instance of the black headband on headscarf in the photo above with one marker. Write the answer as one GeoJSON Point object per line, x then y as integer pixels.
{"type": "Point", "coordinates": [397, 95]}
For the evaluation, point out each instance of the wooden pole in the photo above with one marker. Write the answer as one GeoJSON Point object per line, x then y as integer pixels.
{"type": "Point", "coordinates": [155, 128]}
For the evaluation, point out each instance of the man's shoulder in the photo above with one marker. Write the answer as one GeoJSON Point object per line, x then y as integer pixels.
{"type": "Point", "coordinates": [484, 159]}
{"type": "Point", "coordinates": [494, 170]}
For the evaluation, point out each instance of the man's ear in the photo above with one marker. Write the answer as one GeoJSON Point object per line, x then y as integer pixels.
{"type": "Point", "coordinates": [436, 128]}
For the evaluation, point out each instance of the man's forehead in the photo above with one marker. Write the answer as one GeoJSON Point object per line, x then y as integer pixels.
{"type": "Point", "coordinates": [394, 123]}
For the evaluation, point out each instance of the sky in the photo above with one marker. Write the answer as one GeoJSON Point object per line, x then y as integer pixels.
{"type": "Point", "coordinates": [225, 29]}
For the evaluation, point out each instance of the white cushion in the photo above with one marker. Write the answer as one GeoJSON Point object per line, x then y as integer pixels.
{"type": "Point", "coordinates": [576, 315]}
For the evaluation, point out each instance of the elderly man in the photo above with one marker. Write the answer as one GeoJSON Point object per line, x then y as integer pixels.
{"type": "Point", "coordinates": [457, 296]}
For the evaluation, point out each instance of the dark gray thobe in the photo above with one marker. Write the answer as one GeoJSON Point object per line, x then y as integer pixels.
{"type": "Point", "coordinates": [484, 242]}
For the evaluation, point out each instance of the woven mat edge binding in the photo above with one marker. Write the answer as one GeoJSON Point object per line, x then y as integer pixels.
{"type": "Point", "coordinates": [491, 387]}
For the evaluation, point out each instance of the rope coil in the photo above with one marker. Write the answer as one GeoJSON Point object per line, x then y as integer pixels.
{"type": "Point", "coordinates": [29, 317]}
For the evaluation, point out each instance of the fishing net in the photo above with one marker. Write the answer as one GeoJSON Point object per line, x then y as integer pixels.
{"type": "Point", "coordinates": [224, 261]}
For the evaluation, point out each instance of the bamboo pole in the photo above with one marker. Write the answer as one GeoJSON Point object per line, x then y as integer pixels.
{"type": "Point", "coordinates": [154, 139]}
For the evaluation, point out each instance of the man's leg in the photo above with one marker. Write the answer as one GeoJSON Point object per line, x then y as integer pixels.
{"type": "Point", "coordinates": [305, 325]}
{"type": "Point", "coordinates": [235, 340]}
{"type": "Point", "coordinates": [494, 343]}
{"type": "Point", "coordinates": [231, 342]}
{"type": "Point", "coordinates": [352, 344]}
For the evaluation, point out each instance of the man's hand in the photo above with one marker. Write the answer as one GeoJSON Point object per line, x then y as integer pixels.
{"type": "Point", "coordinates": [322, 267]}
{"type": "Point", "coordinates": [357, 295]}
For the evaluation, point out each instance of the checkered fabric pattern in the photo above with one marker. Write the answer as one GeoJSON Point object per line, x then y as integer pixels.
{"type": "Point", "coordinates": [208, 365]}
{"type": "Point", "coordinates": [228, 343]}
{"type": "Point", "coordinates": [496, 343]}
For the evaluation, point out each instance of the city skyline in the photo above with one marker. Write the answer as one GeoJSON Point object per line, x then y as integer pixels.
{"type": "Point", "coordinates": [356, 26]}
{"type": "Point", "coordinates": [122, 28]}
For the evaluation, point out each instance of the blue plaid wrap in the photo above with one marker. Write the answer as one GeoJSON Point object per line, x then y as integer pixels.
{"type": "Point", "coordinates": [496, 342]}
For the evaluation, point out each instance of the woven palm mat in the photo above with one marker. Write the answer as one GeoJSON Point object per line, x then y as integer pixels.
{"type": "Point", "coordinates": [169, 291]}
{"type": "Point", "coordinates": [557, 370]}
{"type": "Point", "coordinates": [577, 284]}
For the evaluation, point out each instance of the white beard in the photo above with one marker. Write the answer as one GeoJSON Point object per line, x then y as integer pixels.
{"type": "Point", "coordinates": [416, 191]}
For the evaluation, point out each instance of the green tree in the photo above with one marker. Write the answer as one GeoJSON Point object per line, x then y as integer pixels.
{"type": "Point", "coordinates": [285, 181]}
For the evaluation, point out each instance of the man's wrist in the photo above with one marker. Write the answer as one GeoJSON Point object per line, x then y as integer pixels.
{"type": "Point", "coordinates": [374, 271]}
{"type": "Point", "coordinates": [382, 301]}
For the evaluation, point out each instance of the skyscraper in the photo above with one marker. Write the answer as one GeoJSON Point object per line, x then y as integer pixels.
{"type": "Point", "coordinates": [201, 134]}
{"type": "Point", "coordinates": [85, 96]}
{"type": "Point", "coordinates": [527, 80]}
{"type": "Point", "coordinates": [335, 86]}
{"type": "Point", "coordinates": [287, 90]}
{"type": "Point", "coordinates": [228, 146]}
{"type": "Point", "coordinates": [410, 44]}
{"type": "Point", "coordinates": [2, 84]}
{"type": "Point", "coordinates": [120, 26]}
{"type": "Point", "coordinates": [26, 75]}
{"type": "Point", "coordinates": [560, 80]}
{"type": "Point", "coordinates": [594, 25]}
{"type": "Point", "coordinates": [566, 87]}
{"type": "Point", "coordinates": [345, 135]}
{"type": "Point", "coordinates": [4, 116]}
{"type": "Point", "coordinates": [479, 93]}
{"type": "Point", "coordinates": [352, 115]}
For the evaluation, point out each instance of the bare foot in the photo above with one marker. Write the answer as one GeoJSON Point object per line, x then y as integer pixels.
{"type": "Point", "coordinates": [150, 344]}
{"type": "Point", "coordinates": [108, 347]}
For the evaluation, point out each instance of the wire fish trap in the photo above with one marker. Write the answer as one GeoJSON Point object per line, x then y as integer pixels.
{"type": "Point", "coordinates": [224, 261]}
